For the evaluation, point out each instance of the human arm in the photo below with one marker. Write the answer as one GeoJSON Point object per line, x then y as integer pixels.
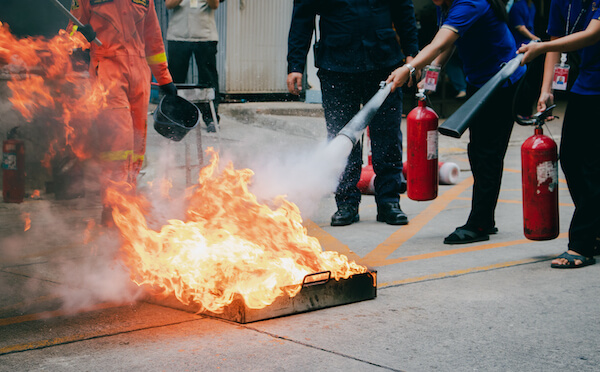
{"type": "Point", "coordinates": [569, 43]}
{"type": "Point", "coordinates": [171, 4]}
{"type": "Point", "coordinates": [525, 32]}
{"type": "Point", "coordinates": [444, 39]}
{"type": "Point", "coordinates": [521, 15]}
{"type": "Point", "coordinates": [154, 48]}
{"type": "Point", "coordinates": [299, 38]}
{"type": "Point", "coordinates": [403, 18]}
{"type": "Point", "coordinates": [546, 97]}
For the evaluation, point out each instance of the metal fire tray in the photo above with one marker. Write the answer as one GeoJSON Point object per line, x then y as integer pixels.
{"type": "Point", "coordinates": [318, 291]}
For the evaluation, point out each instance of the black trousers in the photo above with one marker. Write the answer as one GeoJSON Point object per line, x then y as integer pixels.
{"type": "Point", "coordinates": [580, 161]}
{"type": "Point", "coordinates": [489, 134]}
{"type": "Point", "coordinates": [343, 94]}
{"type": "Point", "coordinates": [205, 53]}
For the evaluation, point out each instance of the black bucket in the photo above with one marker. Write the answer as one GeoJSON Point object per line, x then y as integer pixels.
{"type": "Point", "coordinates": [175, 116]}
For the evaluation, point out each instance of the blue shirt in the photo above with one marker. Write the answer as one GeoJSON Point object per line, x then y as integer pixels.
{"type": "Point", "coordinates": [588, 80]}
{"type": "Point", "coordinates": [485, 42]}
{"type": "Point", "coordinates": [521, 14]}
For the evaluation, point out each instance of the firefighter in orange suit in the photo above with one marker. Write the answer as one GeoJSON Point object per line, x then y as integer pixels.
{"type": "Point", "coordinates": [132, 47]}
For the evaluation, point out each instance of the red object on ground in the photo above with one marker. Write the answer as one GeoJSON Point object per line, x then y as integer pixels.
{"type": "Point", "coordinates": [422, 168]}
{"type": "Point", "coordinates": [13, 171]}
{"type": "Point", "coordinates": [366, 183]}
{"type": "Point", "coordinates": [539, 169]}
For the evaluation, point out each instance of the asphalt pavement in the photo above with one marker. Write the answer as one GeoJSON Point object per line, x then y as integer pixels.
{"type": "Point", "coordinates": [67, 303]}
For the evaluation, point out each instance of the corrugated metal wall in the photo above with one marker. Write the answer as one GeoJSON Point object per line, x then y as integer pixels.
{"type": "Point", "coordinates": [252, 47]}
{"type": "Point", "coordinates": [255, 45]}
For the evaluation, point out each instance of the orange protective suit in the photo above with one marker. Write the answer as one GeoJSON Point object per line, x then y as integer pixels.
{"type": "Point", "coordinates": [132, 47]}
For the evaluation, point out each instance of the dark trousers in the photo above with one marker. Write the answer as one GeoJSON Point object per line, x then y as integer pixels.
{"type": "Point", "coordinates": [343, 94]}
{"type": "Point", "coordinates": [489, 134]}
{"type": "Point", "coordinates": [580, 161]}
{"type": "Point", "coordinates": [205, 53]}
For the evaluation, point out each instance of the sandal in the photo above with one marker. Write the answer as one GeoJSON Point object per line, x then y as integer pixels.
{"type": "Point", "coordinates": [585, 261]}
{"type": "Point", "coordinates": [463, 235]}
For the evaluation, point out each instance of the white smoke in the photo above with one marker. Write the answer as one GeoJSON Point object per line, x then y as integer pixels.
{"type": "Point", "coordinates": [305, 177]}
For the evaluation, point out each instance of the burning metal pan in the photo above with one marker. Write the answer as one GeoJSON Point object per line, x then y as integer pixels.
{"type": "Point", "coordinates": [318, 291]}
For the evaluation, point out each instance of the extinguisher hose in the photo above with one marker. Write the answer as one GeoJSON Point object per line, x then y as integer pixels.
{"type": "Point", "coordinates": [521, 120]}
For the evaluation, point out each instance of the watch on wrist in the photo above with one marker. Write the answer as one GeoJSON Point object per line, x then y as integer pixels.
{"type": "Point", "coordinates": [410, 68]}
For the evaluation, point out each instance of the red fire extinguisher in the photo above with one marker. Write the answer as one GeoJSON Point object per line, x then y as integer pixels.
{"type": "Point", "coordinates": [539, 167]}
{"type": "Point", "coordinates": [422, 151]}
{"type": "Point", "coordinates": [13, 169]}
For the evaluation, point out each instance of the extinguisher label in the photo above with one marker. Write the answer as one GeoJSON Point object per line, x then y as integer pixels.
{"type": "Point", "coordinates": [547, 172]}
{"type": "Point", "coordinates": [432, 144]}
{"type": "Point", "coordinates": [9, 161]}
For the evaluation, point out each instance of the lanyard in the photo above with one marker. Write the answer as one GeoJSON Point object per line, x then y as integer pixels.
{"type": "Point", "coordinates": [584, 7]}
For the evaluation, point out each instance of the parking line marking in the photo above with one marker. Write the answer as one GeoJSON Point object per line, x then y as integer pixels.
{"type": "Point", "coordinates": [473, 248]}
{"type": "Point", "coordinates": [328, 242]}
{"type": "Point", "coordinates": [454, 273]}
{"type": "Point", "coordinates": [403, 234]}
{"type": "Point", "coordinates": [52, 314]}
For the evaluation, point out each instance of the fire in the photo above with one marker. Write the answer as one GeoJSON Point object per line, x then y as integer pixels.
{"type": "Point", "coordinates": [27, 220]}
{"type": "Point", "coordinates": [228, 244]}
{"type": "Point", "coordinates": [45, 86]}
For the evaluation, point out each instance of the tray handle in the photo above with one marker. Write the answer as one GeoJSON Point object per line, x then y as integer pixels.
{"type": "Point", "coordinates": [321, 277]}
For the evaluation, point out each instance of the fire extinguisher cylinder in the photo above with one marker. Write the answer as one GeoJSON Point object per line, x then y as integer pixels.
{"type": "Point", "coordinates": [539, 164]}
{"type": "Point", "coordinates": [13, 171]}
{"type": "Point", "coordinates": [422, 152]}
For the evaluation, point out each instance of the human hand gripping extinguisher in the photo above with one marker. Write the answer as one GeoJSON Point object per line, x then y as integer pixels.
{"type": "Point", "coordinates": [539, 167]}
{"type": "Point", "coordinates": [13, 168]}
{"type": "Point", "coordinates": [422, 151]}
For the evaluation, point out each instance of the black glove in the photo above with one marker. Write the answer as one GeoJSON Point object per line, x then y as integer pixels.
{"type": "Point", "coordinates": [88, 32]}
{"type": "Point", "coordinates": [168, 89]}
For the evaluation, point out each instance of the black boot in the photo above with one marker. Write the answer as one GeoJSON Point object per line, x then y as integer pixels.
{"type": "Point", "coordinates": [345, 215]}
{"type": "Point", "coordinates": [391, 214]}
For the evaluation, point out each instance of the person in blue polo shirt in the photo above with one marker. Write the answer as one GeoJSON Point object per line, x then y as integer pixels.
{"type": "Point", "coordinates": [484, 42]}
{"type": "Point", "coordinates": [580, 132]}
{"type": "Point", "coordinates": [521, 17]}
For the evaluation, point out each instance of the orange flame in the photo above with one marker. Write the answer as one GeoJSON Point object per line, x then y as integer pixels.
{"type": "Point", "coordinates": [25, 217]}
{"type": "Point", "coordinates": [45, 86]}
{"type": "Point", "coordinates": [230, 243]}
{"type": "Point", "coordinates": [35, 194]}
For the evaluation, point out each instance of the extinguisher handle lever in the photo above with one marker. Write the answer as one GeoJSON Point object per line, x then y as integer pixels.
{"type": "Point", "coordinates": [539, 118]}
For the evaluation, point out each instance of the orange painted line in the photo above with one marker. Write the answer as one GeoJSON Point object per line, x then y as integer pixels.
{"type": "Point", "coordinates": [52, 314]}
{"type": "Point", "coordinates": [404, 233]}
{"type": "Point", "coordinates": [449, 252]}
{"type": "Point", "coordinates": [454, 273]}
{"type": "Point", "coordinates": [44, 343]}
{"type": "Point", "coordinates": [517, 201]}
{"type": "Point", "coordinates": [328, 242]}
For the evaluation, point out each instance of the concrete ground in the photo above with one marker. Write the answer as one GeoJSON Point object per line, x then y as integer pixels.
{"type": "Point", "coordinates": [66, 303]}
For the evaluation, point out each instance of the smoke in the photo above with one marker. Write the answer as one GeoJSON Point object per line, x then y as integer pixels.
{"type": "Point", "coordinates": [97, 278]}
{"type": "Point", "coordinates": [63, 258]}
{"type": "Point", "coordinates": [305, 177]}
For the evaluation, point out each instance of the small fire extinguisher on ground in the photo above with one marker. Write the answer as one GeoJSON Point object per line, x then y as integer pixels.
{"type": "Point", "coordinates": [422, 151]}
{"type": "Point", "coordinates": [13, 168]}
{"type": "Point", "coordinates": [539, 164]}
